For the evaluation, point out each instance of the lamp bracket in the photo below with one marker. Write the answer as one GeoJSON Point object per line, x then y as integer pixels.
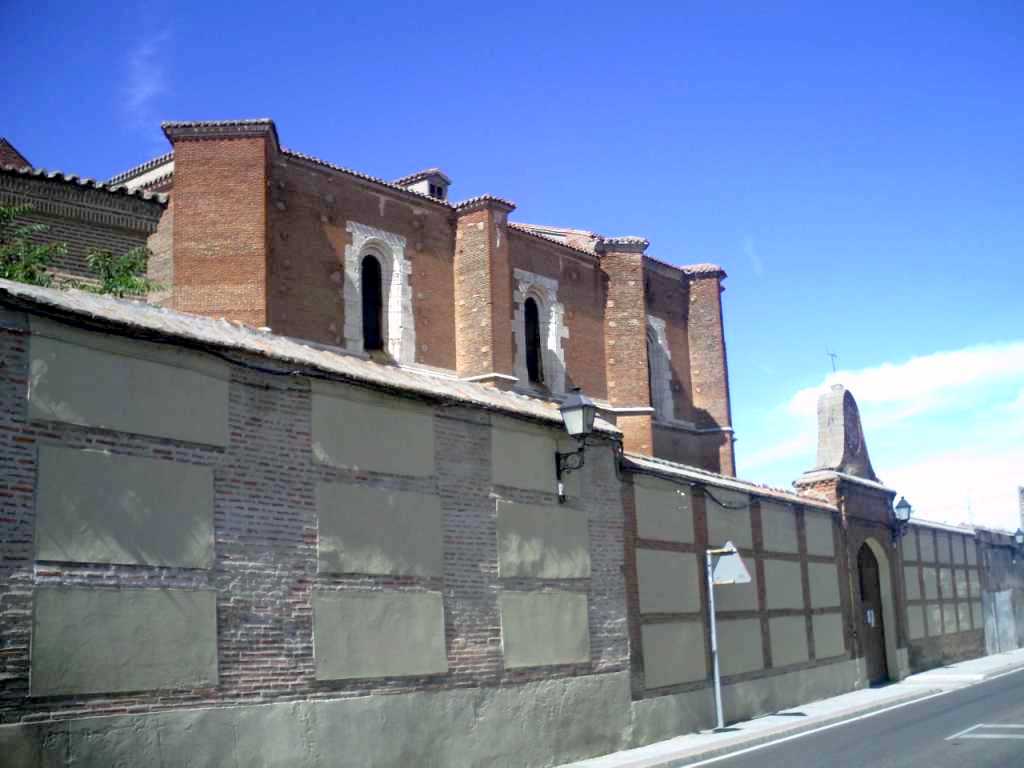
{"type": "Point", "coordinates": [566, 462]}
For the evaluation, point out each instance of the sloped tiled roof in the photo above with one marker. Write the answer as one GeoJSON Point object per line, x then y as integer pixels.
{"type": "Point", "coordinates": [412, 178]}
{"type": "Point", "coordinates": [140, 169]}
{"type": "Point", "coordinates": [141, 320]}
{"type": "Point", "coordinates": [538, 232]}
{"type": "Point", "coordinates": [10, 155]}
{"type": "Point", "coordinates": [42, 173]}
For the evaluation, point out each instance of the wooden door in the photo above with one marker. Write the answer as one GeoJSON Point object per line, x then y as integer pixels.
{"type": "Point", "coordinates": [872, 628]}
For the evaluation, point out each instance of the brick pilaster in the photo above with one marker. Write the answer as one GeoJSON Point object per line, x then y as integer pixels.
{"type": "Point", "coordinates": [483, 292]}
{"type": "Point", "coordinates": [220, 217]}
{"type": "Point", "coordinates": [625, 329]}
{"type": "Point", "coordinates": [709, 370]}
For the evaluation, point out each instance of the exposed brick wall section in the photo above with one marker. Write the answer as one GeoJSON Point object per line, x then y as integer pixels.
{"type": "Point", "coordinates": [709, 371]}
{"type": "Point", "coordinates": [160, 267]}
{"type": "Point", "coordinates": [625, 324]}
{"type": "Point", "coordinates": [9, 155]}
{"type": "Point", "coordinates": [668, 298]}
{"type": "Point", "coordinates": [220, 222]}
{"type": "Point", "coordinates": [309, 207]}
{"type": "Point", "coordinates": [581, 290]}
{"type": "Point", "coordinates": [483, 292]}
{"type": "Point", "coordinates": [265, 540]}
{"type": "Point", "coordinates": [84, 218]}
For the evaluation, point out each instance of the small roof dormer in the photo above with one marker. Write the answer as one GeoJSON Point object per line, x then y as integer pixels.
{"type": "Point", "coordinates": [432, 182]}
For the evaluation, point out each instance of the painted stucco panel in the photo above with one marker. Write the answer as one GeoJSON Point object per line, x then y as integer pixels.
{"type": "Point", "coordinates": [548, 542]}
{"type": "Point", "coordinates": [783, 584]}
{"type": "Point", "coordinates": [97, 507]}
{"type": "Point", "coordinates": [81, 378]}
{"type": "Point", "coordinates": [824, 581]}
{"type": "Point", "coordinates": [524, 457]}
{"type": "Point", "coordinates": [668, 581]}
{"type": "Point", "coordinates": [673, 653]}
{"type": "Point", "coordinates": [374, 530]}
{"type": "Point", "coordinates": [393, 634]}
{"type": "Point", "coordinates": [819, 527]}
{"type": "Point", "coordinates": [789, 640]}
{"type": "Point", "coordinates": [913, 585]}
{"type": "Point", "coordinates": [915, 621]}
{"type": "Point", "coordinates": [366, 431]}
{"type": "Point", "coordinates": [539, 629]}
{"type": "Point", "coordinates": [106, 641]}
{"type": "Point", "coordinates": [663, 510]}
{"type": "Point", "coordinates": [778, 526]}
{"type": "Point", "coordinates": [728, 520]}
{"type": "Point", "coordinates": [737, 654]}
{"type": "Point", "coordinates": [828, 635]}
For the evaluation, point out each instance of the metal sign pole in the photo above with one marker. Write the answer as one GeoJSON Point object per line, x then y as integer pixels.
{"type": "Point", "coordinates": [714, 641]}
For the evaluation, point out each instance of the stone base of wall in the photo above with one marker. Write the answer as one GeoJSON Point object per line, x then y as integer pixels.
{"type": "Point", "coordinates": [932, 652]}
{"type": "Point", "coordinates": [665, 717]}
{"type": "Point", "coordinates": [534, 724]}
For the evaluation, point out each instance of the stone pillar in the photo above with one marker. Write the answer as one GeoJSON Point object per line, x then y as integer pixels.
{"type": "Point", "coordinates": [483, 292]}
{"type": "Point", "coordinates": [709, 370]}
{"type": "Point", "coordinates": [625, 333]}
{"type": "Point", "coordinates": [220, 217]}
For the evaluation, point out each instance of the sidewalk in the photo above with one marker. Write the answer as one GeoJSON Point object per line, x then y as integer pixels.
{"type": "Point", "coordinates": [694, 747]}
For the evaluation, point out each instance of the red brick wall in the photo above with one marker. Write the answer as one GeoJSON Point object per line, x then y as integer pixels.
{"type": "Point", "coordinates": [220, 222]}
{"type": "Point", "coordinates": [625, 324]}
{"type": "Point", "coordinates": [483, 294]}
{"type": "Point", "coordinates": [309, 208]}
{"type": "Point", "coordinates": [581, 291]}
{"type": "Point", "coordinates": [160, 267]}
{"type": "Point", "coordinates": [709, 372]}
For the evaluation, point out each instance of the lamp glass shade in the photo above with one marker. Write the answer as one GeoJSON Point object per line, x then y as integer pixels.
{"type": "Point", "coordinates": [1018, 537]}
{"type": "Point", "coordinates": [578, 414]}
{"type": "Point", "coordinates": [903, 510]}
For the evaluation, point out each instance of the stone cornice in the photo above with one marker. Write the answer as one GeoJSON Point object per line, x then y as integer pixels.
{"type": "Point", "coordinates": [220, 129]}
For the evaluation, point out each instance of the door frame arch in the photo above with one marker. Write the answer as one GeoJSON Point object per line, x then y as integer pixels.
{"type": "Point", "coordinates": [890, 628]}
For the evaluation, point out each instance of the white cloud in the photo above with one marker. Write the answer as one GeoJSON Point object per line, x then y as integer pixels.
{"type": "Point", "coordinates": [974, 486]}
{"type": "Point", "coordinates": [802, 443]}
{"type": "Point", "coordinates": [921, 383]}
{"type": "Point", "coordinates": [750, 249]}
{"type": "Point", "coordinates": [145, 80]}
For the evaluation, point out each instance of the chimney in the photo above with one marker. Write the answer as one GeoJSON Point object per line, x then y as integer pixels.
{"type": "Point", "coordinates": [433, 182]}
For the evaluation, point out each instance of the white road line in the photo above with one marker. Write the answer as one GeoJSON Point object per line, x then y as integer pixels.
{"type": "Point", "coordinates": [1017, 726]}
{"type": "Point", "coordinates": [828, 727]}
{"type": "Point", "coordinates": [993, 736]}
{"type": "Point", "coordinates": [961, 733]}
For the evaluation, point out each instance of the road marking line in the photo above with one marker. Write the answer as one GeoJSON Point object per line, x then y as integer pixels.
{"type": "Point", "coordinates": [1018, 726]}
{"type": "Point", "coordinates": [961, 733]}
{"type": "Point", "coordinates": [993, 736]}
{"type": "Point", "coordinates": [828, 727]}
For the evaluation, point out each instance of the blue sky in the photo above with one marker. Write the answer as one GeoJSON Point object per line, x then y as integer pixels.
{"type": "Point", "coordinates": [857, 170]}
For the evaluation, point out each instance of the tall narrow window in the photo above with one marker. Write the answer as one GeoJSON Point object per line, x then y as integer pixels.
{"type": "Point", "coordinates": [373, 305]}
{"type": "Point", "coordinates": [651, 350]}
{"type": "Point", "coordinates": [534, 364]}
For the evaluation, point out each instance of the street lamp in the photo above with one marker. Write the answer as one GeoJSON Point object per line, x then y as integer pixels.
{"type": "Point", "coordinates": [1018, 538]}
{"type": "Point", "coordinates": [578, 413]}
{"type": "Point", "coordinates": [901, 515]}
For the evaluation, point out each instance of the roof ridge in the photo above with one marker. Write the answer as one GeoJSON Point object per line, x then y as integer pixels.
{"type": "Point", "coordinates": [361, 175]}
{"type": "Point", "coordinates": [526, 230]}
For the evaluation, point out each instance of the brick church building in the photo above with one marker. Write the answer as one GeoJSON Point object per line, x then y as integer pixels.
{"type": "Point", "coordinates": [395, 270]}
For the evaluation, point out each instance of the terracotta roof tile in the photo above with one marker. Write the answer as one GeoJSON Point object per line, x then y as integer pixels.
{"type": "Point", "coordinates": [140, 169]}
{"type": "Point", "coordinates": [157, 197]}
{"type": "Point", "coordinates": [412, 178]}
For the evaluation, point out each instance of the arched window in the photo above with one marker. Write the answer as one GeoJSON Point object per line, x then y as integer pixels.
{"type": "Point", "coordinates": [534, 363]}
{"type": "Point", "coordinates": [373, 305]}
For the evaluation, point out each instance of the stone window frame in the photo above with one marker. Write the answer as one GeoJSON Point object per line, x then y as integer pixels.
{"type": "Point", "coordinates": [659, 360]}
{"type": "Point", "coordinates": [399, 327]}
{"type": "Point", "coordinates": [551, 315]}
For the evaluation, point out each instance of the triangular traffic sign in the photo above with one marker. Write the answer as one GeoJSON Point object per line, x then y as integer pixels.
{"type": "Point", "coordinates": [727, 566]}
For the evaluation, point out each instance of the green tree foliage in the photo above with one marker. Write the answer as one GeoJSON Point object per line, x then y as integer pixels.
{"type": "Point", "coordinates": [21, 258]}
{"type": "Point", "coordinates": [25, 260]}
{"type": "Point", "coordinates": [123, 275]}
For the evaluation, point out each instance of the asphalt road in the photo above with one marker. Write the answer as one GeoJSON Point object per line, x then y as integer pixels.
{"type": "Point", "coordinates": [917, 734]}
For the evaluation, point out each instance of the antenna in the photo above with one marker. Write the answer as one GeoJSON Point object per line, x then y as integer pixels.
{"type": "Point", "coordinates": [833, 356]}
